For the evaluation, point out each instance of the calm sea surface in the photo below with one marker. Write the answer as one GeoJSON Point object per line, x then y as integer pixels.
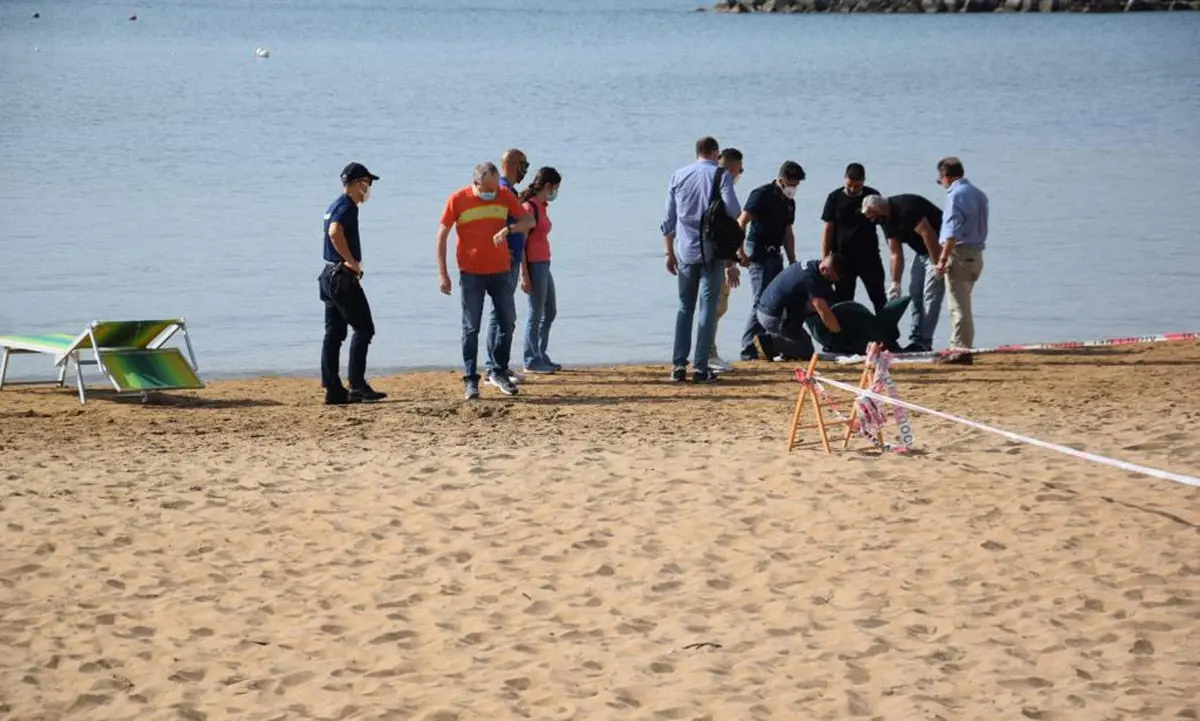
{"type": "Point", "coordinates": [157, 168]}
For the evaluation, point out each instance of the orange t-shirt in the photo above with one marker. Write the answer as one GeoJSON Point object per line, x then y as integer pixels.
{"type": "Point", "coordinates": [476, 222]}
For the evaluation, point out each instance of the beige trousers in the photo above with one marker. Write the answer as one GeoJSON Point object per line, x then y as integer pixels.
{"type": "Point", "coordinates": [722, 306]}
{"type": "Point", "coordinates": [964, 268]}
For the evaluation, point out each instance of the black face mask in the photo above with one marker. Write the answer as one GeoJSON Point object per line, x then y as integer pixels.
{"type": "Point", "coordinates": [522, 172]}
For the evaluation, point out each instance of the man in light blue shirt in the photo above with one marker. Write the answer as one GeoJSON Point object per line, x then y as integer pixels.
{"type": "Point", "coordinates": [962, 240]}
{"type": "Point", "coordinates": [699, 278]}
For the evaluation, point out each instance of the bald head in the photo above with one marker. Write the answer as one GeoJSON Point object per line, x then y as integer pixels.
{"type": "Point", "coordinates": [514, 165]}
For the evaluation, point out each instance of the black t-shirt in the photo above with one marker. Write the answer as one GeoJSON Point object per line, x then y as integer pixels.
{"type": "Point", "coordinates": [773, 213]}
{"type": "Point", "coordinates": [906, 213]}
{"type": "Point", "coordinates": [793, 288]}
{"type": "Point", "coordinates": [852, 231]}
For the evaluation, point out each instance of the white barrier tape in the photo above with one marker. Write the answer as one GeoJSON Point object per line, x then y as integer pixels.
{"type": "Point", "coordinates": [927, 356]}
{"type": "Point", "coordinates": [1115, 463]}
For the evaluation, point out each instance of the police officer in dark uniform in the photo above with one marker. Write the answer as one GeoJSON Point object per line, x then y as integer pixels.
{"type": "Point", "coordinates": [852, 235]}
{"type": "Point", "coordinates": [340, 285]}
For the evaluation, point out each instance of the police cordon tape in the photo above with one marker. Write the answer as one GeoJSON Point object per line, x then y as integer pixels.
{"type": "Point", "coordinates": [1115, 463]}
{"type": "Point", "coordinates": [927, 356]}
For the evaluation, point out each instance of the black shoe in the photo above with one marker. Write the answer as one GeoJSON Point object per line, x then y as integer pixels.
{"type": "Point", "coordinates": [503, 382]}
{"type": "Point", "coordinates": [366, 394]}
{"type": "Point", "coordinates": [342, 398]}
{"type": "Point", "coordinates": [471, 388]}
{"type": "Point", "coordinates": [704, 377]}
{"type": "Point", "coordinates": [916, 347]}
{"type": "Point", "coordinates": [679, 375]}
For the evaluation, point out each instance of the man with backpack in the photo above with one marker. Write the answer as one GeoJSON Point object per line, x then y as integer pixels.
{"type": "Point", "coordinates": [701, 238]}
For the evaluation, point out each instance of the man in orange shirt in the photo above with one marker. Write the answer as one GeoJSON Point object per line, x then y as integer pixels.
{"type": "Point", "coordinates": [479, 214]}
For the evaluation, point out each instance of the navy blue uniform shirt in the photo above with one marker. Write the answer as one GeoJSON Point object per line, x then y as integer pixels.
{"type": "Point", "coordinates": [343, 211]}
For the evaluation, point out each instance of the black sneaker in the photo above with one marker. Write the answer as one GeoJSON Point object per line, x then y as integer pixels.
{"type": "Point", "coordinates": [679, 375]}
{"type": "Point", "coordinates": [339, 397]}
{"type": "Point", "coordinates": [707, 376]}
{"type": "Point", "coordinates": [366, 394]}
{"type": "Point", "coordinates": [470, 389]}
{"type": "Point", "coordinates": [503, 382]}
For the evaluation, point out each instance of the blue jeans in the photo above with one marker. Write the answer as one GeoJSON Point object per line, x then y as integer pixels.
{"type": "Point", "coordinates": [497, 336]}
{"type": "Point", "coordinates": [697, 282]}
{"type": "Point", "coordinates": [761, 274]}
{"type": "Point", "coordinates": [788, 335]}
{"type": "Point", "coordinates": [927, 290]}
{"type": "Point", "coordinates": [543, 308]}
{"type": "Point", "coordinates": [474, 287]}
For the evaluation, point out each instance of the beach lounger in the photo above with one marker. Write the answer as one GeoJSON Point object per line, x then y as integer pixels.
{"type": "Point", "coordinates": [129, 353]}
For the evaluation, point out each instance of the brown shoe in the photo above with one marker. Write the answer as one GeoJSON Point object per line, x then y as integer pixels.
{"type": "Point", "coordinates": [959, 359]}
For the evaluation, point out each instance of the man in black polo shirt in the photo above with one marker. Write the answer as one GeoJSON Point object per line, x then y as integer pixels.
{"type": "Point", "coordinates": [340, 286]}
{"type": "Point", "coordinates": [849, 233]}
{"type": "Point", "coordinates": [913, 221]}
{"type": "Point", "coordinates": [801, 290]}
{"type": "Point", "coordinates": [770, 212]}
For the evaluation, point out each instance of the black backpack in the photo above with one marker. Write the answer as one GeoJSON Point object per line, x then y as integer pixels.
{"type": "Point", "coordinates": [720, 235]}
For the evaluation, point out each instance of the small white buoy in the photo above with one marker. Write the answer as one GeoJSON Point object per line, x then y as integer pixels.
{"type": "Point", "coordinates": [262, 53]}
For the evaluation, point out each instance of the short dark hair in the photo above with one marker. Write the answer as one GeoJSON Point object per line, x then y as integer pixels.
{"type": "Point", "coordinates": [731, 154]}
{"type": "Point", "coordinates": [707, 146]}
{"type": "Point", "coordinates": [840, 265]}
{"type": "Point", "coordinates": [951, 167]}
{"type": "Point", "coordinates": [856, 172]}
{"type": "Point", "coordinates": [791, 170]}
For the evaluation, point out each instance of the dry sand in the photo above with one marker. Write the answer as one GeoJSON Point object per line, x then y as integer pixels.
{"type": "Point", "coordinates": [605, 546]}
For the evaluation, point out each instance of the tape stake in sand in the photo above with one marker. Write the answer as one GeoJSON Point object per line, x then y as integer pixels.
{"type": "Point", "coordinates": [1094, 458]}
{"type": "Point", "coordinates": [1026, 347]}
{"type": "Point", "coordinates": [867, 417]}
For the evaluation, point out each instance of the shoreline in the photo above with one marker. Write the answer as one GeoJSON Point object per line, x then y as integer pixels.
{"type": "Point", "coordinates": [1004, 7]}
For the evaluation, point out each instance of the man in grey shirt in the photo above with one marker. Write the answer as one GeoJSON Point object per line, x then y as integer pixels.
{"type": "Point", "coordinates": [688, 198]}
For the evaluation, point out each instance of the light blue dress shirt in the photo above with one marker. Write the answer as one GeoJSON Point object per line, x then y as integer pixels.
{"type": "Point", "coordinates": [966, 215]}
{"type": "Point", "coordinates": [687, 199]}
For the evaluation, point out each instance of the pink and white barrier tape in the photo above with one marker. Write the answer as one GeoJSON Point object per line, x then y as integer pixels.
{"type": "Point", "coordinates": [1115, 463]}
{"type": "Point", "coordinates": [1066, 345]}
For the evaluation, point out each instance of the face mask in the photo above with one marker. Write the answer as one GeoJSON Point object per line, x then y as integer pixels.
{"type": "Point", "coordinates": [366, 194]}
{"type": "Point", "coordinates": [552, 196]}
{"type": "Point", "coordinates": [736, 178]}
{"type": "Point", "coordinates": [789, 192]}
{"type": "Point", "coordinates": [487, 195]}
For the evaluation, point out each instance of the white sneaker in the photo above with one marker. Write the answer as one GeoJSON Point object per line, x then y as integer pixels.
{"type": "Point", "coordinates": [716, 364]}
{"type": "Point", "coordinates": [516, 376]}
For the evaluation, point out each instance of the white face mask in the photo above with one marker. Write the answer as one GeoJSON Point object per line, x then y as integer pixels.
{"type": "Point", "coordinates": [789, 192]}
{"type": "Point", "coordinates": [366, 194]}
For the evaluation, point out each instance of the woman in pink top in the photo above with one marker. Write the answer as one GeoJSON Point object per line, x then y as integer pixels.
{"type": "Point", "coordinates": [536, 280]}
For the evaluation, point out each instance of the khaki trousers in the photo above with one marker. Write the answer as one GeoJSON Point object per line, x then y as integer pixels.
{"type": "Point", "coordinates": [964, 268]}
{"type": "Point", "coordinates": [722, 306]}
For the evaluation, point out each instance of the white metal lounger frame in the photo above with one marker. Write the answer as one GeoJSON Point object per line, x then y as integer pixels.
{"type": "Point", "coordinates": [87, 341]}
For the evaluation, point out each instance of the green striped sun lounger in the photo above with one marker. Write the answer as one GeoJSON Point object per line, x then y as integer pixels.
{"type": "Point", "coordinates": [130, 354]}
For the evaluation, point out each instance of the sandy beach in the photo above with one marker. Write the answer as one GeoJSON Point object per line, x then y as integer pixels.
{"type": "Point", "coordinates": [607, 545]}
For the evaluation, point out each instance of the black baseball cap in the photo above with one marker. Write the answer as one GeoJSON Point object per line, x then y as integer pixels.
{"type": "Point", "coordinates": [357, 171]}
